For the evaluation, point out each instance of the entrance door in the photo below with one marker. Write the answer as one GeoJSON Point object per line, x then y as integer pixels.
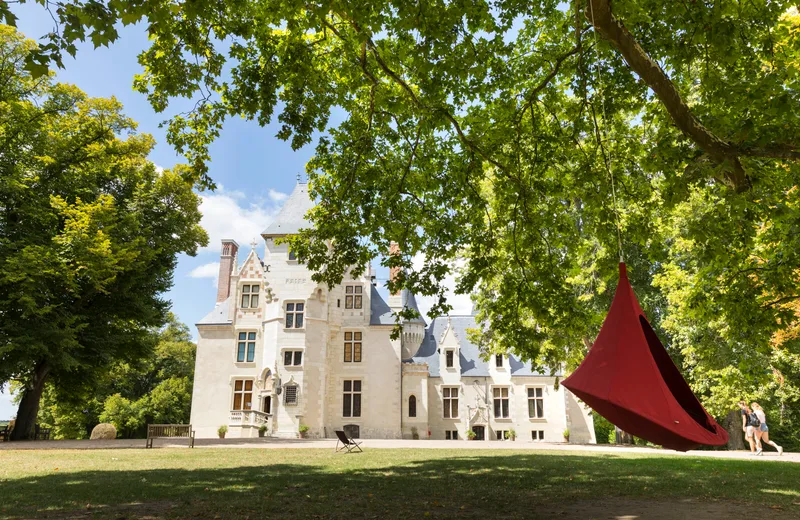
{"type": "Point", "coordinates": [480, 432]}
{"type": "Point", "coordinates": [267, 404]}
{"type": "Point", "coordinates": [352, 430]}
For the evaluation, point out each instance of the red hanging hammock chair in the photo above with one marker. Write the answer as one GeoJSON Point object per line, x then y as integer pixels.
{"type": "Point", "coordinates": [628, 378]}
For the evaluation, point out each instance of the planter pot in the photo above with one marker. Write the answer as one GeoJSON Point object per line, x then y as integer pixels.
{"type": "Point", "coordinates": [221, 435]}
{"type": "Point", "coordinates": [261, 434]}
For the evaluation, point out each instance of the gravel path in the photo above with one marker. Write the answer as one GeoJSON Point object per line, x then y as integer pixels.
{"type": "Point", "coordinates": [269, 443]}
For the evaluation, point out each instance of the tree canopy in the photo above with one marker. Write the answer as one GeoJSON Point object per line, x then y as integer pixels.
{"type": "Point", "coordinates": [90, 231]}
{"type": "Point", "coordinates": [129, 394]}
{"type": "Point", "coordinates": [513, 140]}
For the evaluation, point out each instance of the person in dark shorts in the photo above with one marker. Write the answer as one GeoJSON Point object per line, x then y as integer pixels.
{"type": "Point", "coordinates": [747, 426]}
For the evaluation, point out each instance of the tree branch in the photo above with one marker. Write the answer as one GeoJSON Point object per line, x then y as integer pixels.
{"type": "Point", "coordinates": [599, 14]}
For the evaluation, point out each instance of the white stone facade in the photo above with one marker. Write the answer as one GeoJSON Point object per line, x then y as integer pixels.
{"type": "Point", "coordinates": [340, 369]}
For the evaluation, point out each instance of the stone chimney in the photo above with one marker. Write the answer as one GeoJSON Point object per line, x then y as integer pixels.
{"type": "Point", "coordinates": [227, 263]}
{"type": "Point", "coordinates": [395, 298]}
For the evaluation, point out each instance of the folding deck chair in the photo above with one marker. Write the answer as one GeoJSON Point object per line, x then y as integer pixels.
{"type": "Point", "coordinates": [348, 444]}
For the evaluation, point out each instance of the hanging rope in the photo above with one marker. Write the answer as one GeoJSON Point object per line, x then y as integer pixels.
{"type": "Point", "coordinates": [606, 157]}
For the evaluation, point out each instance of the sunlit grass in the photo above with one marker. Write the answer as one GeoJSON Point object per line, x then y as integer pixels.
{"type": "Point", "coordinates": [235, 483]}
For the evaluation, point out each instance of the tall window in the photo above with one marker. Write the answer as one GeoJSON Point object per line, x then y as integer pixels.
{"type": "Point", "coordinates": [500, 403]}
{"type": "Point", "coordinates": [246, 348]}
{"type": "Point", "coordinates": [448, 356]}
{"type": "Point", "coordinates": [243, 394]}
{"type": "Point", "coordinates": [412, 406]}
{"type": "Point", "coordinates": [249, 296]}
{"type": "Point", "coordinates": [450, 396]}
{"type": "Point", "coordinates": [351, 405]}
{"type": "Point", "coordinates": [290, 395]}
{"type": "Point", "coordinates": [352, 347]}
{"type": "Point", "coordinates": [267, 404]}
{"type": "Point", "coordinates": [292, 358]}
{"type": "Point", "coordinates": [292, 255]}
{"type": "Point", "coordinates": [498, 360]}
{"type": "Point", "coordinates": [294, 315]}
{"type": "Point", "coordinates": [352, 296]}
{"type": "Point", "coordinates": [535, 403]}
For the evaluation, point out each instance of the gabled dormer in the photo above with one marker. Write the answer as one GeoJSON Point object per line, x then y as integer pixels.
{"type": "Point", "coordinates": [449, 351]}
{"type": "Point", "coordinates": [251, 286]}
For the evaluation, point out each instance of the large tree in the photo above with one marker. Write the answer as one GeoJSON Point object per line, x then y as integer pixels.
{"type": "Point", "coordinates": [90, 231]}
{"type": "Point", "coordinates": [522, 142]}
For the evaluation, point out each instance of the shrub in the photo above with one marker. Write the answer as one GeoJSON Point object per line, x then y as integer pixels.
{"type": "Point", "coordinates": [414, 433]}
{"type": "Point", "coordinates": [471, 435]}
{"type": "Point", "coordinates": [303, 430]}
{"type": "Point", "coordinates": [566, 434]}
{"type": "Point", "coordinates": [262, 429]}
{"type": "Point", "coordinates": [603, 430]}
{"type": "Point", "coordinates": [512, 434]}
{"type": "Point", "coordinates": [104, 431]}
{"type": "Point", "coordinates": [222, 430]}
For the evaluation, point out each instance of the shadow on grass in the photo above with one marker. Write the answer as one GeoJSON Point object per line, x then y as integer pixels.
{"type": "Point", "coordinates": [380, 485]}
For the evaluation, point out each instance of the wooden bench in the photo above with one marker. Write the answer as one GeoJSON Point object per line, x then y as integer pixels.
{"type": "Point", "coordinates": [169, 431]}
{"type": "Point", "coordinates": [5, 433]}
{"type": "Point", "coordinates": [41, 434]}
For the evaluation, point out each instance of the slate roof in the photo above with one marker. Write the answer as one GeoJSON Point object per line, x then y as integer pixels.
{"type": "Point", "coordinates": [469, 355]}
{"type": "Point", "coordinates": [219, 316]}
{"type": "Point", "coordinates": [379, 311]}
{"type": "Point", "coordinates": [292, 216]}
{"type": "Point", "coordinates": [410, 302]}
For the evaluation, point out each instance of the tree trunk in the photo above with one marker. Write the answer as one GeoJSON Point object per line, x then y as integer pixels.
{"type": "Point", "coordinates": [733, 423]}
{"type": "Point", "coordinates": [29, 404]}
{"type": "Point", "coordinates": [623, 437]}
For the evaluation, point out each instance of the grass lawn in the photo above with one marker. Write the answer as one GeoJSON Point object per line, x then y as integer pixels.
{"type": "Point", "coordinates": [306, 483]}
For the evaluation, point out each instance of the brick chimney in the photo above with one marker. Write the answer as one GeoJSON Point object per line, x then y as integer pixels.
{"type": "Point", "coordinates": [227, 263]}
{"type": "Point", "coordinates": [395, 299]}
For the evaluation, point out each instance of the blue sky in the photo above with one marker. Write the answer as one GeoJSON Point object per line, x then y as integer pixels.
{"type": "Point", "coordinates": [254, 171]}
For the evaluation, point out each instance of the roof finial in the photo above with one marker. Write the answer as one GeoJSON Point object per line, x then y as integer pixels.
{"type": "Point", "coordinates": [254, 243]}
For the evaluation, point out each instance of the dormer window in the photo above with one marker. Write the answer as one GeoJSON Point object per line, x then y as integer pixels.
{"type": "Point", "coordinates": [292, 255]}
{"type": "Point", "coordinates": [250, 296]}
{"type": "Point", "coordinates": [353, 296]}
{"type": "Point", "coordinates": [449, 358]}
{"type": "Point", "coordinates": [498, 360]}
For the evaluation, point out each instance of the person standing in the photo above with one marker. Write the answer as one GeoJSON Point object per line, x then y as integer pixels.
{"type": "Point", "coordinates": [747, 426]}
{"type": "Point", "coordinates": [762, 430]}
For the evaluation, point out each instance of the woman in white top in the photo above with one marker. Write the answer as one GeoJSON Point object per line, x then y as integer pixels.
{"type": "Point", "coordinates": [762, 431]}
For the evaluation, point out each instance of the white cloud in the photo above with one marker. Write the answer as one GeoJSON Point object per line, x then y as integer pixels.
{"type": "Point", "coordinates": [159, 169]}
{"type": "Point", "coordinates": [228, 215]}
{"type": "Point", "coordinates": [209, 270]}
{"type": "Point", "coordinates": [277, 196]}
{"type": "Point", "coordinates": [462, 304]}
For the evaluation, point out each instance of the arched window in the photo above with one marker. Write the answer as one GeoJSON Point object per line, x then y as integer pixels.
{"type": "Point", "coordinates": [412, 406]}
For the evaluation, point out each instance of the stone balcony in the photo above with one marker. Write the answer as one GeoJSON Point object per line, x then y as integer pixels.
{"type": "Point", "coordinates": [249, 420]}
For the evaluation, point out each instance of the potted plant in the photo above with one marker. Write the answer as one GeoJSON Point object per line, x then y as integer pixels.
{"type": "Point", "coordinates": [471, 435]}
{"type": "Point", "coordinates": [262, 430]}
{"type": "Point", "coordinates": [222, 431]}
{"type": "Point", "coordinates": [566, 434]}
{"type": "Point", "coordinates": [303, 430]}
{"type": "Point", "coordinates": [414, 433]}
{"type": "Point", "coordinates": [512, 434]}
